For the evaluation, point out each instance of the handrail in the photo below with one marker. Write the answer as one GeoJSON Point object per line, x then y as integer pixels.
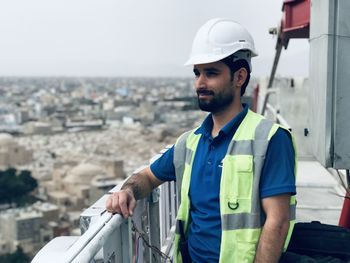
{"type": "Point", "coordinates": [278, 117]}
{"type": "Point", "coordinates": [88, 252]}
{"type": "Point", "coordinates": [109, 238]}
{"type": "Point", "coordinates": [85, 247]}
{"type": "Point", "coordinates": [88, 237]}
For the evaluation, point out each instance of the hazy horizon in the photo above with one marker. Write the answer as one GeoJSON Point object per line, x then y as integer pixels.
{"type": "Point", "coordinates": [108, 38]}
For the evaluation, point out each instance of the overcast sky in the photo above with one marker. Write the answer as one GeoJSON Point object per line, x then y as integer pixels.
{"type": "Point", "coordinates": [129, 37]}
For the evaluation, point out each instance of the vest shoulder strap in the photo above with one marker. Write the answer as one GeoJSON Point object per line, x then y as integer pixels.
{"type": "Point", "coordinates": [246, 130]}
{"type": "Point", "coordinates": [180, 158]}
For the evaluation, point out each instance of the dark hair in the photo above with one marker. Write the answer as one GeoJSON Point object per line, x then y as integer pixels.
{"type": "Point", "coordinates": [234, 66]}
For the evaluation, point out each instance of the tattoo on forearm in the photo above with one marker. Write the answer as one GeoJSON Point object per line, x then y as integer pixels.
{"type": "Point", "coordinates": [134, 185]}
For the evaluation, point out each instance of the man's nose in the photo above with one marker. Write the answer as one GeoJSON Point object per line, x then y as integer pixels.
{"type": "Point", "coordinates": [200, 82]}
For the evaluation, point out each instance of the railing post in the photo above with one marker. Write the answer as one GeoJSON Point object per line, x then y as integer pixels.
{"type": "Point", "coordinates": [137, 219]}
{"type": "Point", "coordinates": [154, 228]}
{"type": "Point", "coordinates": [126, 242]}
{"type": "Point", "coordinates": [173, 203]}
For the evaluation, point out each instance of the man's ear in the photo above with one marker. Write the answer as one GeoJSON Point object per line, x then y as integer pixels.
{"type": "Point", "coordinates": [240, 77]}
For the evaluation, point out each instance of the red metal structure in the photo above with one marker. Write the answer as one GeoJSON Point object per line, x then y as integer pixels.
{"type": "Point", "coordinates": [296, 19]}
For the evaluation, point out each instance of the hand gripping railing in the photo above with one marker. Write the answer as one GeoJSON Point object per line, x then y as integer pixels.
{"type": "Point", "coordinates": [105, 231]}
{"type": "Point", "coordinates": [110, 238]}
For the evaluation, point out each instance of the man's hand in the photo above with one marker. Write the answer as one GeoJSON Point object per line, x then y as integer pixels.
{"type": "Point", "coordinates": [138, 186]}
{"type": "Point", "coordinates": [122, 202]}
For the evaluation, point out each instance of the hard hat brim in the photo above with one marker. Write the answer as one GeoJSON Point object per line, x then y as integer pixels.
{"type": "Point", "coordinates": [197, 60]}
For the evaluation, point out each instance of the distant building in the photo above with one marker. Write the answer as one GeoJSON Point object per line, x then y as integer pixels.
{"type": "Point", "coordinates": [118, 113]}
{"type": "Point", "coordinates": [34, 127]}
{"type": "Point", "coordinates": [50, 212]}
{"type": "Point", "coordinates": [76, 188]}
{"type": "Point", "coordinates": [11, 153]}
{"type": "Point", "coordinates": [31, 227]}
{"type": "Point", "coordinates": [22, 115]}
{"type": "Point", "coordinates": [21, 227]}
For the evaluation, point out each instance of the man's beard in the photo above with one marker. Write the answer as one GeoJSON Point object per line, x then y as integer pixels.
{"type": "Point", "coordinates": [217, 103]}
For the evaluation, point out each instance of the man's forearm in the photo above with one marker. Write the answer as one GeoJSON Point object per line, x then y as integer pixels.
{"type": "Point", "coordinates": [136, 187]}
{"type": "Point", "coordinates": [271, 242]}
{"type": "Point", "coordinates": [139, 184]}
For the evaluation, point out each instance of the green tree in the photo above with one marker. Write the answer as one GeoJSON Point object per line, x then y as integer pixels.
{"type": "Point", "coordinates": [17, 257]}
{"type": "Point", "coordinates": [28, 182]}
{"type": "Point", "coordinates": [15, 186]}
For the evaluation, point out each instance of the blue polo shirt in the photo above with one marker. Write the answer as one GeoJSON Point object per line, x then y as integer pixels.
{"type": "Point", "coordinates": [205, 229]}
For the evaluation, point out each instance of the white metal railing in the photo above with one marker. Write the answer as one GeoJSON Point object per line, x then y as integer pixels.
{"type": "Point", "coordinates": [111, 238]}
{"type": "Point", "coordinates": [274, 110]}
{"type": "Point", "coordinates": [277, 116]}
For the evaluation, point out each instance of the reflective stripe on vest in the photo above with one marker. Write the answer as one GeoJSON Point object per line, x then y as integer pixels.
{"type": "Point", "coordinates": [246, 220]}
{"type": "Point", "coordinates": [241, 214]}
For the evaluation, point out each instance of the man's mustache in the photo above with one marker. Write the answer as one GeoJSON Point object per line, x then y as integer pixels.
{"type": "Point", "coordinates": [202, 91]}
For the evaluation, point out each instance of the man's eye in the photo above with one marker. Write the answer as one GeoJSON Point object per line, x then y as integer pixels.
{"type": "Point", "coordinates": [211, 74]}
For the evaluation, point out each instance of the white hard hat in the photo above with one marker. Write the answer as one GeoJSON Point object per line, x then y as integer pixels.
{"type": "Point", "coordinates": [219, 38]}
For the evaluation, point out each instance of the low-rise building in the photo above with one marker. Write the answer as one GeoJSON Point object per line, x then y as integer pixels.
{"type": "Point", "coordinates": [37, 128]}
{"type": "Point", "coordinates": [21, 227]}
{"type": "Point", "coordinates": [13, 154]}
{"type": "Point", "coordinates": [74, 188]}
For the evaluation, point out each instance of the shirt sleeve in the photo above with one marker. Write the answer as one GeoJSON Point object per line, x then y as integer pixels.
{"type": "Point", "coordinates": [163, 167]}
{"type": "Point", "coordinates": [278, 172]}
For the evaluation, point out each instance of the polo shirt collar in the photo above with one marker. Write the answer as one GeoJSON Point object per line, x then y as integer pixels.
{"type": "Point", "coordinates": [231, 126]}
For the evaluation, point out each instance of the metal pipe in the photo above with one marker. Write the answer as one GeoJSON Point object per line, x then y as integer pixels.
{"type": "Point", "coordinates": [273, 70]}
{"type": "Point", "coordinates": [86, 238]}
{"type": "Point", "coordinates": [275, 62]}
{"type": "Point", "coordinates": [280, 119]}
{"type": "Point", "coordinates": [88, 252]}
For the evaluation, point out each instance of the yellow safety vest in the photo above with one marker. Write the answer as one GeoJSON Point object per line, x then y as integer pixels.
{"type": "Point", "coordinates": [240, 204]}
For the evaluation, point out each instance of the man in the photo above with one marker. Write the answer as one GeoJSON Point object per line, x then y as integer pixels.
{"type": "Point", "coordinates": [235, 173]}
